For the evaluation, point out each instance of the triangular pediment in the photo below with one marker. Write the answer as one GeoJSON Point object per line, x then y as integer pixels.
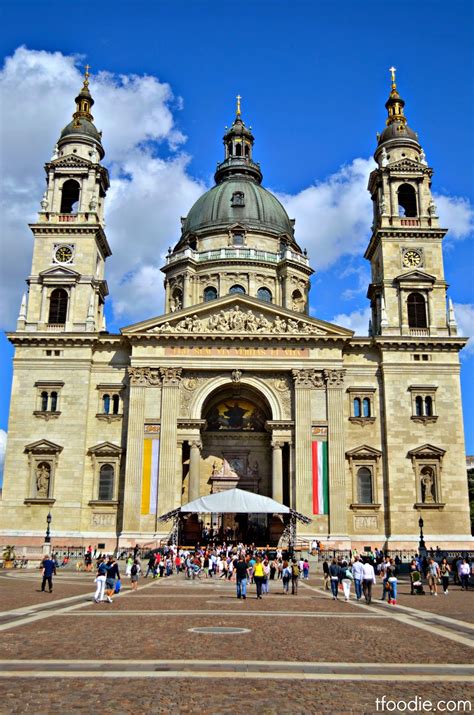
{"type": "Point", "coordinates": [408, 165]}
{"type": "Point", "coordinates": [60, 272]}
{"type": "Point", "coordinates": [71, 162]}
{"type": "Point", "coordinates": [415, 277]}
{"type": "Point", "coordinates": [364, 451]}
{"type": "Point", "coordinates": [43, 446]}
{"type": "Point", "coordinates": [105, 448]}
{"type": "Point", "coordinates": [239, 314]}
{"type": "Point", "coordinates": [427, 451]}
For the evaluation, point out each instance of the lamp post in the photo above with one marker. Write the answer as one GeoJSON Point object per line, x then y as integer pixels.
{"type": "Point", "coordinates": [422, 545]}
{"type": "Point", "coordinates": [47, 538]}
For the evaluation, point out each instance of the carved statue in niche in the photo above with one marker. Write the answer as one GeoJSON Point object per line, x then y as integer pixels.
{"type": "Point", "coordinates": [43, 476]}
{"type": "Point", "coordinates": [427, 486]}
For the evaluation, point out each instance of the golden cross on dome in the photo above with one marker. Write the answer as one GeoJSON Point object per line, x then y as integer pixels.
{"type": "Point", "coordinates": [392, 70]}
{"type": "Point", "coordinates": [238, 98]}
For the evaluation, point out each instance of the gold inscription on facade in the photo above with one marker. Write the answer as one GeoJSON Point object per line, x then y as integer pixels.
{"type": "Point", "coordinates": [197, 351]}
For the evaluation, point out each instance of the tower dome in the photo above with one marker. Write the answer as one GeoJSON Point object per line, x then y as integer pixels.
{"type": "Point", "coordinates": [82, 129]}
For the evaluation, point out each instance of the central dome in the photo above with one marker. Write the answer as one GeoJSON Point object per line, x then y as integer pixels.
{"type": "Point", "coordinates": [238, 200]}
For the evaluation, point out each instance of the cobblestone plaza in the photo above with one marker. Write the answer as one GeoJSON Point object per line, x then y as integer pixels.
{"type": "Point", "coordinates": [296, 654]}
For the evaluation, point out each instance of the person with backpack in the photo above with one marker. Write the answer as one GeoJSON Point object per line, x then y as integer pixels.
{"type": "Point", "coordinates": [285, 576]}
{"type": "Point", "coordinates": [112, 575]}
{"type": "Point", "coordinates": [346, 579]}
{"type": "Point", "coordinates": [100, 581]}
{"type": "Point", "coordinates": [295, 574]}
{"type": "Point", "coordinates": [134, 573]}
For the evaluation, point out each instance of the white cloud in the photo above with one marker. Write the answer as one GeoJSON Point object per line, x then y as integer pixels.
{"type": "Point", "coordinates": [457, 214]}
{"type": "Point", "coordinates": [464, 313]}
{"type": "Point", "coordinates": [3, 447]}
{"type": "Point", "coordinates": [358, 321]}
{"type": "Point", "coordinates": [151, 184]}
{"type": "Point", "coordinates": [37, 91]}
{"type": "Point", "coordinates": [333, 217]}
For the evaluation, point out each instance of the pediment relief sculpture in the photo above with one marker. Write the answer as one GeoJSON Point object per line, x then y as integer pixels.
{"type": "Point", "coordinates": [235, 320]}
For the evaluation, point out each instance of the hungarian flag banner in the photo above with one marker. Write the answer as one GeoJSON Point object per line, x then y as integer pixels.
{"type": "Point", "coordinates": [320, 478]}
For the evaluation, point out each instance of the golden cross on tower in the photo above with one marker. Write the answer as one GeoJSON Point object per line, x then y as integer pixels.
{"type": "Point", "coordinates": [86, 75]}
{"type": "Point", "coordinates": [238, 98]}
{"type": "Point", "coordinates": [392, 70]}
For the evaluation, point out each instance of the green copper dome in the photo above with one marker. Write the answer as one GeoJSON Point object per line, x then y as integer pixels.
{"type": "Point", "coordinates": [238, 200]}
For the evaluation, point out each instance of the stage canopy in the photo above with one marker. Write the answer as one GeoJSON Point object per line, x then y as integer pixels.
{"type": "Point", "coordinates": [234, 501]}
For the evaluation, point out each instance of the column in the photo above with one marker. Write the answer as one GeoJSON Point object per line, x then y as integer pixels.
{"type": "Point", "coordinates": [133, 466]}
{"type": "Point", "coordinates": [291, 476]}
{"type": "Point", "coordinates": [305, 381]}
{"type": "Point", "coordinates": [167, 488]}
{"type": "Point", "coordinates": [179, 472]}
{"type": "Point", "coordinates": [277, 472]}
{"type": "Point", "coordinates": [186, 290]}
{"type": "Point", "coordinates": [194, 469]}
{"type": "Point", "coordinates": [336, 452]}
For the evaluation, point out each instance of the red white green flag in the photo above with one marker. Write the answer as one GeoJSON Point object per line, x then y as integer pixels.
{"type": "Point", "coordinates": [320, 478]}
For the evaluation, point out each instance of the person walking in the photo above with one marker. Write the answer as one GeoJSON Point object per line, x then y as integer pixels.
{"type": "Point", "coordinates": [100, 581]}
{"type": "Point", "coordinates": [266, 577]}
{"type": "Point", "coordinates": [295, 575]}
{"type": "Point", "coordinates": [285, 577]}
{"type": "Point", "coordinates": [433, 576]}
{"type": "Point", "coordinates": [241, 577]}
{"type": "Point", "coordinates": [134, 574]}
{"type": "Point", "coordinates": [358, 574]}
{"type": "Point", "coordinates": [383, 575]}
{"type": "Point", "coordinates": [368, 581]}
{"type": "Point", "coordinates": [306, 569]}
{"type": "Point", "coordinates": [464, 571]}
{"type": "Point", "coordinates": [112, 574]}
{"type": "Point", "coordinates": [334, 578]}
{"type": "Point", "coordinates": [392, 581]}
{"type": "Point", "coordinates": [326, 577]}
{"type": "Point", "coordinates": [445, 570]}
{"type": "Point", "coordinates": [258, 576]}
{"type": "Point", "coordinates": [49, 570]}
{"type": "Point", "coordinates": [346, 579]}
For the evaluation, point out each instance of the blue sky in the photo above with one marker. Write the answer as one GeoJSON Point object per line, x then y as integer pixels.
{"type": "Point", "coordinates": [314, 80]}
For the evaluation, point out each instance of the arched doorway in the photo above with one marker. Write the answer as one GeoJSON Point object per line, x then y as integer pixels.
{"type": "Point", "coordinates": [235, 451]}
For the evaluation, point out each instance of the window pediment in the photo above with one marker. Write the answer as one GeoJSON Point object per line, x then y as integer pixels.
{"type": "Point", "coordinates": [364, 452]}
{"type": "Point", "coordinates": [105, 449]}
{"type": "Point", "coordinates": [59, 274]}
{"type": "Point", "coordinates": [417, 277]}
{"type": "Point", "coordinates": [43, 446]}
{"type": "Point", "coordinates": [427, 451]}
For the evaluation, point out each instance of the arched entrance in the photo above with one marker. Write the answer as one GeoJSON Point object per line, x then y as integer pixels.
{"type": "Point", "coordinates": [235, 451]}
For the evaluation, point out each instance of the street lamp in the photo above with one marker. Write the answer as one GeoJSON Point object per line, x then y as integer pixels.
{"type": "Point", "coordinates": [422, 545]}
{"type": "Point", "coordinates": [49, 519]}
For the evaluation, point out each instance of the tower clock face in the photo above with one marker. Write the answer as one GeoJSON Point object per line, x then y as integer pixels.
{"type": "Point", "coordinates": [63, 254]}
{"type": "Point", "coordinates": [411, 259]}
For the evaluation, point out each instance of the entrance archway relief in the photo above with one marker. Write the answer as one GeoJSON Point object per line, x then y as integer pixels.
{"type": "Point", "coordinates": [214, 384]}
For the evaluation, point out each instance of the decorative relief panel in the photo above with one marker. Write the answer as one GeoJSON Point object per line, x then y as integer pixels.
{"type": "Point", "coordinates": [103, 518]}
{"type": "Point", "coordinates": [365, 523]}
{"type": "Point", "coordinates": [236, 320]}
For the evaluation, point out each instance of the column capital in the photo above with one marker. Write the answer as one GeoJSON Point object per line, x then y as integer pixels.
{"type": "Point", "coordinates": [171, 375]}
{"type": "Point", "coordinates": [144, 376]}
{"type": "Point", "coordinates": [276, 444]}
{"type": "Point", "coordinates": [195, 443]}
{"type": "Point", "coordinates": [308, 378]}
{"type": "Point", "coordinates": [334, 378]}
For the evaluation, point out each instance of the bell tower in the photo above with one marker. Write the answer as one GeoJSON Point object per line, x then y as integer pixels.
{"type": "Point", "coordinates": [67, 289]}
{"type": "Point", "coordinates": [408, 289]}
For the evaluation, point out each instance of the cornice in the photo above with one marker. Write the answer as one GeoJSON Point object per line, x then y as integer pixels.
{"type": "Point", "coordinates": [73, 229]}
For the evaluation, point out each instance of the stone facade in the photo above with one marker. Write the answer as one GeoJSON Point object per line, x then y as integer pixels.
{"type": "Point", "coordinates": [235, 385]}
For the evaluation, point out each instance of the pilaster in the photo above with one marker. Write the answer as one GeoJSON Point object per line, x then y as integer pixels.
{"type": "Point", "coordinates": [167, 489]}
{"type": "Point", "coordinates": [336, 453]}
{"type": "Point", "coordinates": [305, 381]}
{"type": "Point", "coordinates": [133, 466]}
{"type": "Point", "coordinates": [194, 469]}
{"type": "Point", "coordinates": [277, 472]}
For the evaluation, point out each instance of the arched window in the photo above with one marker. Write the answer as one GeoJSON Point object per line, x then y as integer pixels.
{"type": "Point", "coordinates": [238, 150]}
{"type": "Point", "coordinates": [416, 307]}
{"type": "Point", "coordinates": [238, 238]}
{"type": "Point", "coordinates": [237, 289]}
{"type": "Point", "coordinates": [58, 306]}
{"type": "Point", "coordinates": [407, 200]}
{"type": "Point", "coordinates": [297, 301]}
{"type": "Point", "coordinates": [247, 150]}
{"type": "Point", "coordinates": [364, 486]}
{"type": "Point", "coordinates": [115, 404]}
{"type": "Point", "coordinates": [428, 406]}
{"type": "Point", "coordinates": [366, 407]}
{"type": "Point", "coordinates": [264, 294]}
{"type": "Point", "coordinates": [176, 300]}
{"type": "Point", "coordinates": [54, 401]}
{"type": "Point", "coordinates": [106, 482]}
{"type": "Point", "coordinates": [419, 406]}
{"type": "Point", "coordinates": [44, 402]}
{"type": "Point", "coordinates": [210, 293]}
{"type": "Point", "coordinates": [70, 197]}
{"type": "Point", "coordinates": [106, 403]}
{"type": "Point", "coordinates": [357, 412]}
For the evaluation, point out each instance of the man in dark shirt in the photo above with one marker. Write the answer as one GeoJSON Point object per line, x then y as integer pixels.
{"type": "Point", "coordinates": [49, 568]}
{"type": "Point", "coordinates": [241, 575]}
{"type": "Point", "coordinates": [113, 573]}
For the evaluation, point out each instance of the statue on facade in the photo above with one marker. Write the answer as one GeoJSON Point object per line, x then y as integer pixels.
{"type": "Point", "coordinates": [42, 480]}
{"type": "Point", "coordinates": [427, 487]}
{"type": "Point", "coordinates": [383, 157]}
{"type": "Point", "coordinates": [382, 206]}
{"type": "Point", "coordinates": [432, 208]}
{"type": "Point", "coordinates": [423, 158]}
